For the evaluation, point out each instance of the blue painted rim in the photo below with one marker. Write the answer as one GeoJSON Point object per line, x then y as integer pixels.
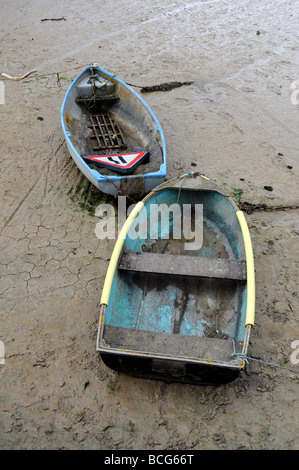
{"type": "Point", "coordinates": [100, 178]}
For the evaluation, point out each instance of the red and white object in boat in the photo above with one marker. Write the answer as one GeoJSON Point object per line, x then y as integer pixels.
{"type": "Point", "coordinates": [119, 162]}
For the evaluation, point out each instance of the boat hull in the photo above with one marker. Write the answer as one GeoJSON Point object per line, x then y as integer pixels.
{"type": "Point", "coordinates": [170, 370]}
{"type": "Point", "coordinates": [130, 124]}
{"type": "Point", "coordinates": [174, 311]}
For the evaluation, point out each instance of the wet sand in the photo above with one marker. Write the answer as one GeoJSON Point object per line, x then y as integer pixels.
{"type": "Point", "coordinates": [237, 123]}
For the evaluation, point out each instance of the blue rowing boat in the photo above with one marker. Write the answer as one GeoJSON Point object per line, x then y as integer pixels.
{"type": "Point", "coordinates": [112, 134]}
{"type": "Point", "coordinates": [178, 301]}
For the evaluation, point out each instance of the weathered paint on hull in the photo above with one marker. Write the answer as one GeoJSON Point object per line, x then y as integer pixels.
{"type": "Point", "coordinates": [143, 129]}
{"type": "Point", "coordinates": [142, 302]}
{"type": "Point", "coordinates": [172, 371]}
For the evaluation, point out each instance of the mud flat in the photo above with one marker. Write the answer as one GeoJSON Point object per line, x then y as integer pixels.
{"type": "Point", "coordinates": [237, 122]}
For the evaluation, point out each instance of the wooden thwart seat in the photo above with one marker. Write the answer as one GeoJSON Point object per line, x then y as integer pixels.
{"type": "Point", "coordinates": [155, 343]}
{"type": "Point", "coordinates": [184, 265]}
{"type": "Point", "coordinates": [95, 98]}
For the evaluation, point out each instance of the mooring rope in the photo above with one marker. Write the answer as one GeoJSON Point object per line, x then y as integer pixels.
{"type": "Point", "coordinates": [189, 174]}
{"type": "Point", "coordinates": [271, 364]}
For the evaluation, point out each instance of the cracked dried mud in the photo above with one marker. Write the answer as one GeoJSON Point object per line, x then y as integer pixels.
{"type": "Point", "coordinates": [237, 122]}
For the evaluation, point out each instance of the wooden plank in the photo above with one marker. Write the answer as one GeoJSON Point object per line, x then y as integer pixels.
{"type": "Point", "coordinates": [184, 265]}
{"type": "Point", "coordinates": [175, 346]}
{"type": "Point", "coordinates": [90, 100]}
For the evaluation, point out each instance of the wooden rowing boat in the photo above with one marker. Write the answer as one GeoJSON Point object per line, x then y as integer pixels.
{"type": "Point", "coordinates": [171, 310]}
{"type": "Point", "coordinates": [112, 134]}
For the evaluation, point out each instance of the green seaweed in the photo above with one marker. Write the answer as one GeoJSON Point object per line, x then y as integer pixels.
{"type": "Point", "coordinates": [87, 197]}
{"type": "Point", "coordinates": [111, 384]}
{"type": "Point", "coordinates": [238, 194]}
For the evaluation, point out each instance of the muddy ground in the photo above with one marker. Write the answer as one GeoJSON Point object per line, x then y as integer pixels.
{"type": "Point", "coordinates": [237, 123]}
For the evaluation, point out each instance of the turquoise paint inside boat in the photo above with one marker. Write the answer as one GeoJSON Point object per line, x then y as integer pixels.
{"type": "Point", "coordinates": [202, 306]}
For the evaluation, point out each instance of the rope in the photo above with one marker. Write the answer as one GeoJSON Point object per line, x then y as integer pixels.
{"type": "Point", "coordinates": [247, 359]}
{"type": "Point", "coordinates": [189, 174]}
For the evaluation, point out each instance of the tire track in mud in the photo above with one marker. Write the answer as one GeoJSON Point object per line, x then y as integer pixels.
{"type": "Point", "coordinates": [46, 173]}
{"type": "Point", "coordinates": [133, 27]}
{"type": "Point", "coordinates": [20, 204]}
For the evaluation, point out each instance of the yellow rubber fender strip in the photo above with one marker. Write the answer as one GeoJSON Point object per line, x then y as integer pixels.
{"type": "Point", "coordinates": [116, 252]}
{"type": "Point", "coordinates": [250, 310]}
